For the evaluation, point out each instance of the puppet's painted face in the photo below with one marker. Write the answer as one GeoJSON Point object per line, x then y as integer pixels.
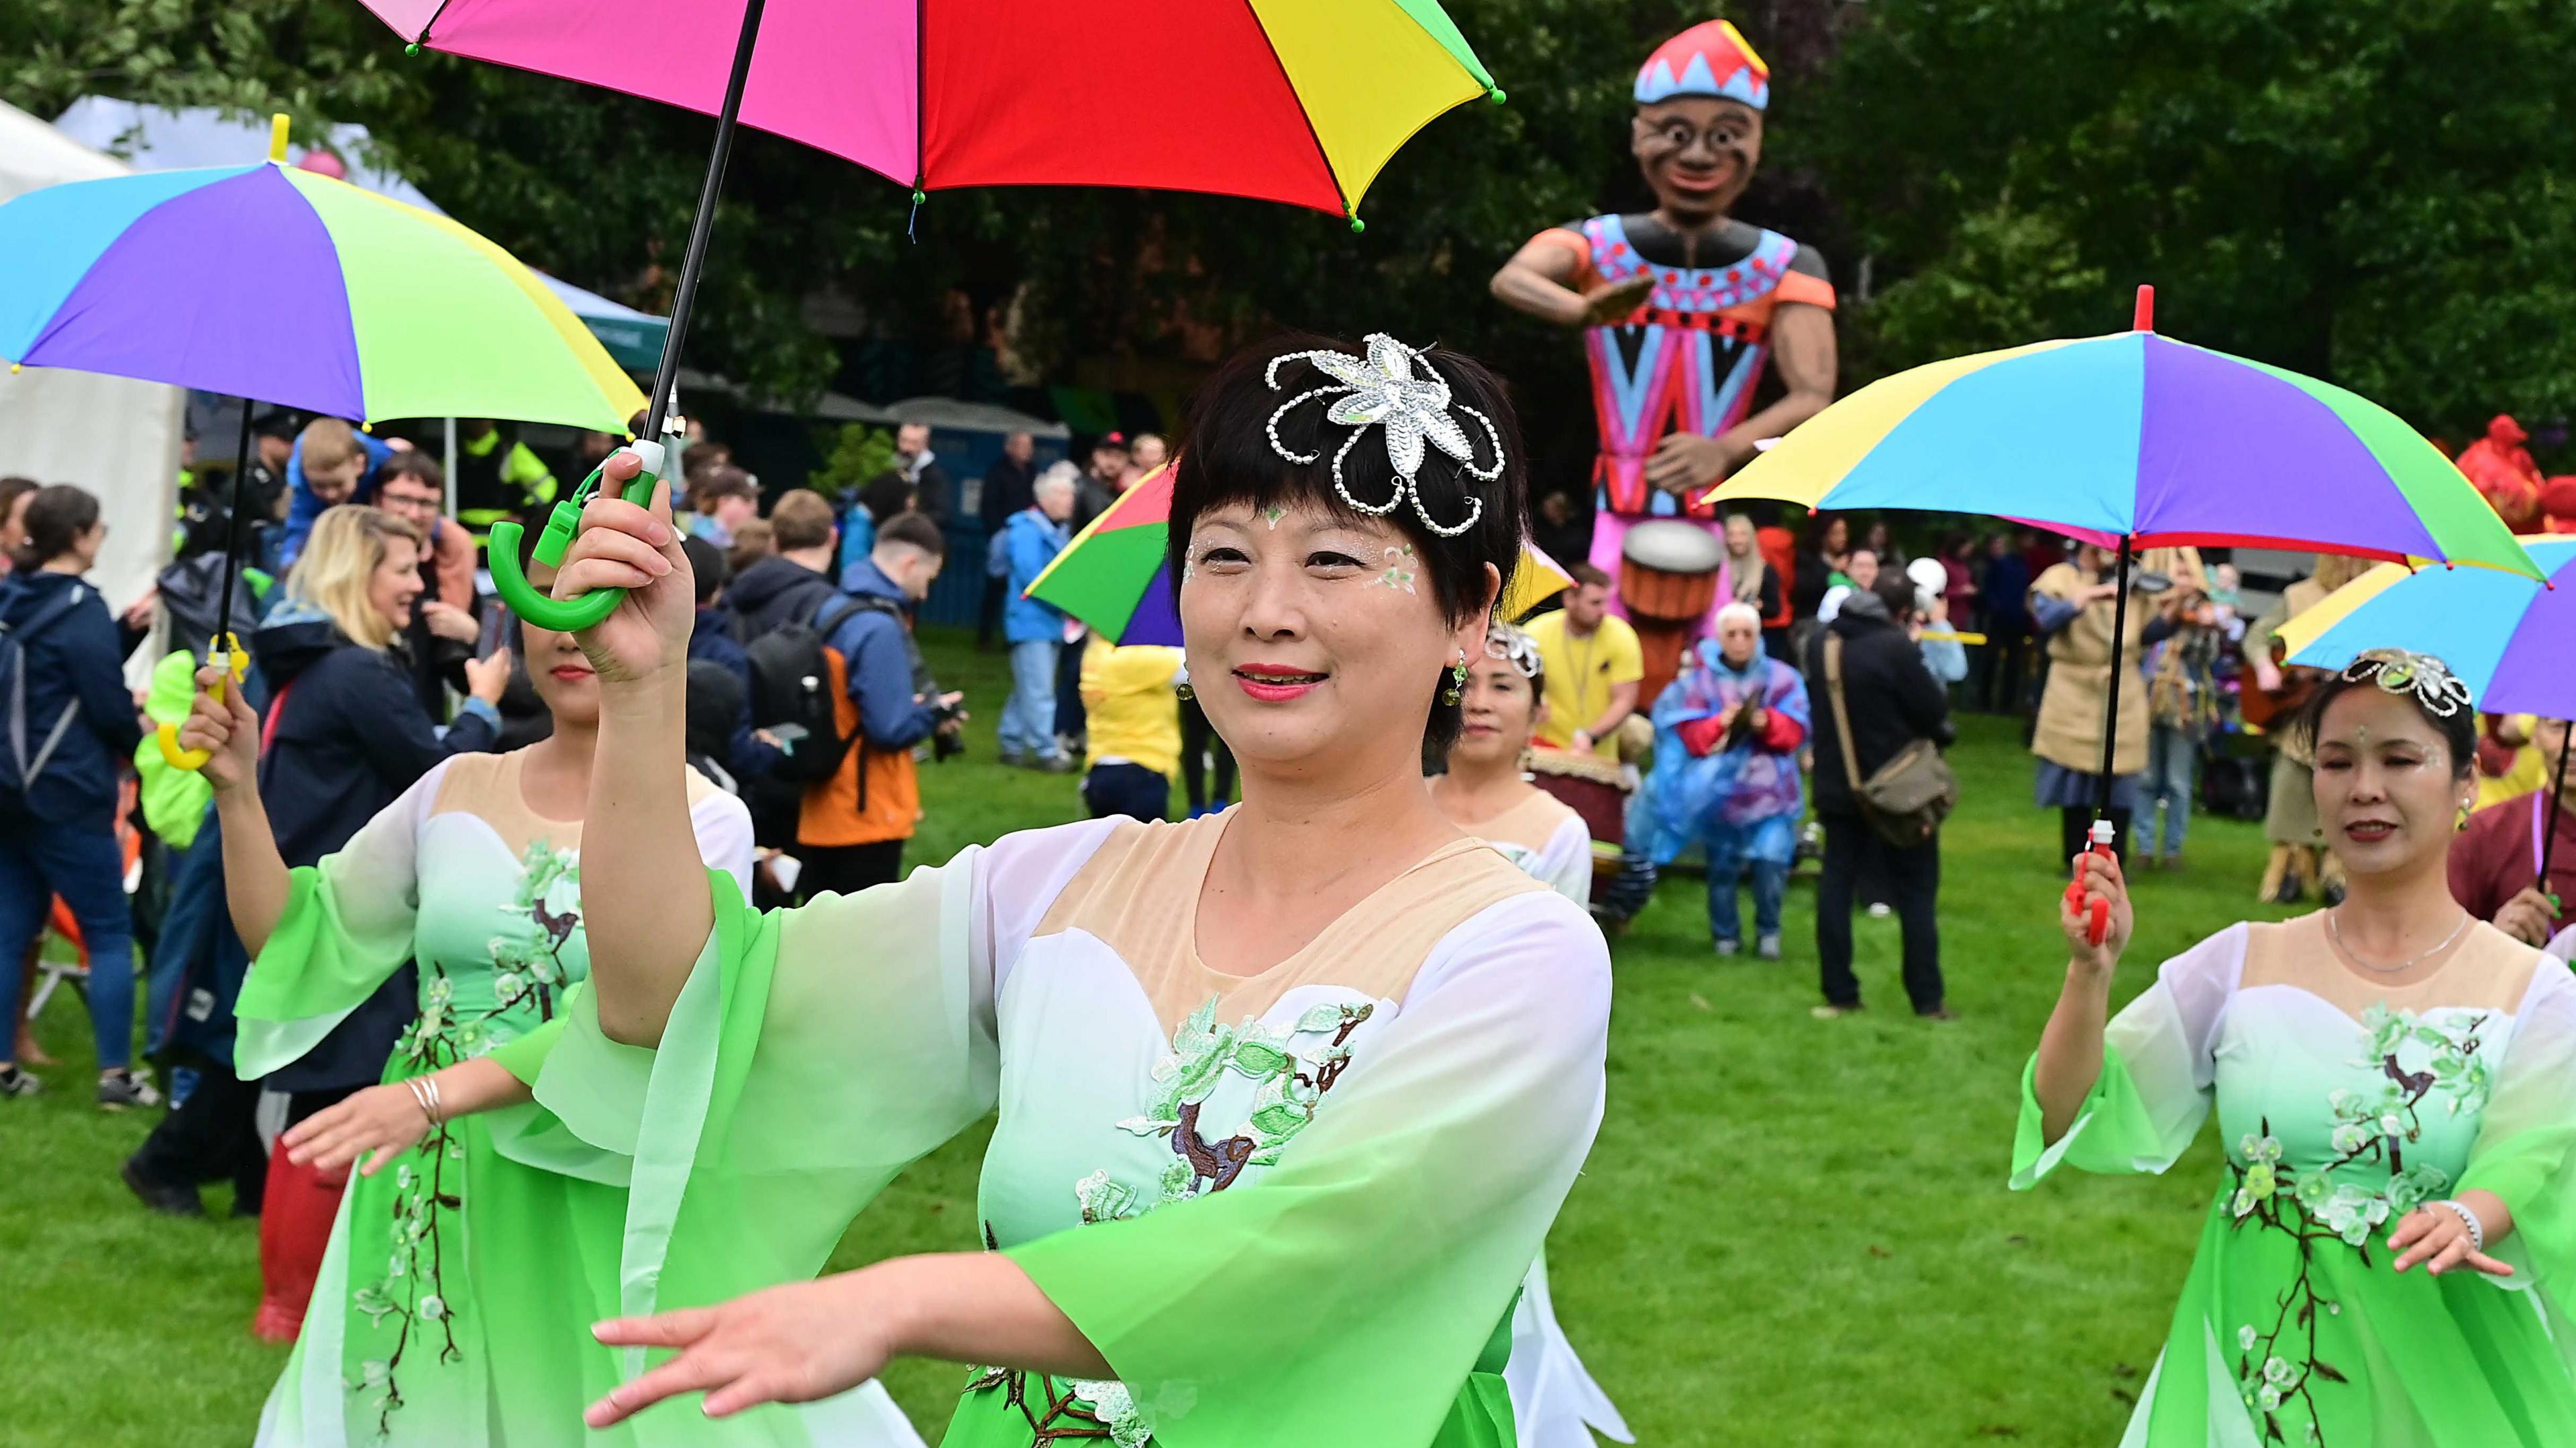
{"type": "Point", "coordinates": [1698, 153]}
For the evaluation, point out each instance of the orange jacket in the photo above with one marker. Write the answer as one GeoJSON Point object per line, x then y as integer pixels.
{"type": "Point", "coordinates": [876, 793]}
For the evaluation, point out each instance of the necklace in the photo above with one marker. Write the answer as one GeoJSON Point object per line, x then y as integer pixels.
{"type": "Point", "coordinates": [2350, 954]}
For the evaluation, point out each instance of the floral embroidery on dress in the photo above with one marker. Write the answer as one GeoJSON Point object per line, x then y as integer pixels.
{"type": "Point", "coordinates": [1290, 1083]}
{"type": "Point", "coordinates": [2277, 1367]}
{"type": "Point", "coordinates": [528, 973]}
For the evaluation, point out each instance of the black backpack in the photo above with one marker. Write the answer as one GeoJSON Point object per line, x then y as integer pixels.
{"type": "Point", "coordinates": [18, 768]}
{"type": "Point", "coordinates": [791, 687]}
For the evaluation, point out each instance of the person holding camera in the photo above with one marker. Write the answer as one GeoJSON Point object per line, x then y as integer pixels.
{"type": "Point", "coordinates": [852, 825]}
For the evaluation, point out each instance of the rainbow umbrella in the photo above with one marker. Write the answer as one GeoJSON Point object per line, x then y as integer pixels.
{"type": "Point", "coordinates": [288, 286]}
{"type": "Point", "coordinates": [2138, 439]}
{"type": "Point", "coordinates": [1117, 577]}
{"type": "Point", "coordinates": [2508, 638]}
{"type": "Point", "coordinates": [1300, 101]}
{"type": "Point", "coordinates": [282, 284]}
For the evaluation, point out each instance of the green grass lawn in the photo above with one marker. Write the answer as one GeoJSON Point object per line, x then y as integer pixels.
{"type": "Point", "coordinates": [1791, 1231]}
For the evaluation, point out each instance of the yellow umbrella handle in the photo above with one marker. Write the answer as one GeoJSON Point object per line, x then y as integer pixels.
{"type": "Point", "coordinates": [229, 649]}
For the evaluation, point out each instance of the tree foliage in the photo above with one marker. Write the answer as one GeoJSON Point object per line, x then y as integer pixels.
{"type": "Point", "coordinates": [2376, 191]}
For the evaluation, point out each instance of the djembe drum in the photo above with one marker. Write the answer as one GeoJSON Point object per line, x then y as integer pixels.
{"type": "Point", "coordinates": [1668, 575]}
{"type": "Point", "coordinates": [1596, 789]}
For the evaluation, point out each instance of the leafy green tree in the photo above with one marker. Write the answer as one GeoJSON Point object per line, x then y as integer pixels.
{"type": "Point", "coordinates": [2374, 191]}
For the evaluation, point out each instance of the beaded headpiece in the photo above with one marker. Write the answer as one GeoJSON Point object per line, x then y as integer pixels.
{"type": "Point", "coordinates": [2399, 671]}
{"type": "Point", "coordinates": [1393, 385]}
{"type": "Point", "coordinates": [1504, 642]}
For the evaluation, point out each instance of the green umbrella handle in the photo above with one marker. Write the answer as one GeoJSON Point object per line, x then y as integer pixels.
{"type": "Point", "coordinates": [565, 615]}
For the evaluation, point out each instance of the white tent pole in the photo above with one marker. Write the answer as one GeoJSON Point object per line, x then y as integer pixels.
{"type": "Point", "coordinates": [451, 467]}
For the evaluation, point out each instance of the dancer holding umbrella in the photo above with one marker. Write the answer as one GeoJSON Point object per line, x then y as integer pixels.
{"type": "Point", "coordinates": [459, 904]}
{"type": "Point", "coordinates": [2137, 441]}
{"type": "Point", "coordinates": [2510, 640]}
{"type": "Point", "coordinates": [2387, 1255]}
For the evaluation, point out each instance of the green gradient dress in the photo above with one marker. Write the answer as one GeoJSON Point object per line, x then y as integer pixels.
{"type": "Point", "coordinates": [2344, 1104]}
{"type": "Point", "coordinates": [1291, 1208]}
{"type": "Point", "coordinates": [456, 1296]}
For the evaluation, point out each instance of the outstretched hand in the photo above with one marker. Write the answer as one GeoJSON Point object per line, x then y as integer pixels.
{"type": "Point", "coordinates": [379, 1123]}
{"type": "Point", "coordinates": [790, 1344]}
{"type": "Point", "coordinates": [2435, 1236]}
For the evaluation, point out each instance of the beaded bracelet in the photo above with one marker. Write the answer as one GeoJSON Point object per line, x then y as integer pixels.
{"type": "Point", "coordinates": [2469, 1219]}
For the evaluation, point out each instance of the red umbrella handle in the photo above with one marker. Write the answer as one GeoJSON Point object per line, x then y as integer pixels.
{"type": "Point", "coordinates": [2097, 929]}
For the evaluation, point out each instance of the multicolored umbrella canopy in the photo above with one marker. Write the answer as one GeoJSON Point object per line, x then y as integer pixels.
{"type": "Point", "coordinates": [2136, 435]}
{"type": "Point", "coordinates": [2511, 640]}
{"type": "Point", "coordinates": [1116, 576]}
{"type": "Point", "coordinates": [286, 286]}
{"type": "Point", "coordinates": [1300, 101]}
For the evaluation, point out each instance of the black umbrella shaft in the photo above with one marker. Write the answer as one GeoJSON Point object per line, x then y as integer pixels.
{"type": "Point", "coordinates": [233, 541]}
{"type": "Point", "coordinates": [693, 262]}
{"type": "Point", "coordinates": [2111, 712]}
{"type": "Point", "coordinates": [2557, 802]}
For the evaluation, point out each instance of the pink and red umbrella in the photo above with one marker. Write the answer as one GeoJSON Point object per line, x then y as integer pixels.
{"type": "Point", "coordinates": [1300, 101]}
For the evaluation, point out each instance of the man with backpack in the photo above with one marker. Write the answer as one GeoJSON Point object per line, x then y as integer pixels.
{"type": "Point", "coordinates": [836, 678]}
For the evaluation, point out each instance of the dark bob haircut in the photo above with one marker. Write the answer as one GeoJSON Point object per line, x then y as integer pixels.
{"type": "Point", "coordinates": [2459, 728]}
{"type": "Point", "coordinates": [1225, 458]}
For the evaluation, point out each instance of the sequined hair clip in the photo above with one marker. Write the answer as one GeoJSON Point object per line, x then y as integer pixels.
{"type": "Point", "coordinates": [1504, 642]}
{"type": "Point", "coordinates": [1396, 386]}
{"type": "Point", "coordinates": [2398, 671]}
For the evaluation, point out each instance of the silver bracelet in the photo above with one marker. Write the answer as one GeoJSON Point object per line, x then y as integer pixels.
{"type": "Point", "coordinates": [2469, 1219]}
{"type": "Point", "coordinates": [424, 1093]}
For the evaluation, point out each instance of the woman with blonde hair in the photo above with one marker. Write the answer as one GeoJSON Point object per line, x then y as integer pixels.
{"type": "Point", "coordinates": [344, 737]}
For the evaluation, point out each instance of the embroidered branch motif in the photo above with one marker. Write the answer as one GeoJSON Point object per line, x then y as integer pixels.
{"type": "Point", "coordinates": [2277, 1365]}
{"type": "Point", "coordinates": [1291, 1083]}
{"type": "Point", "coordinates": [527, 975]}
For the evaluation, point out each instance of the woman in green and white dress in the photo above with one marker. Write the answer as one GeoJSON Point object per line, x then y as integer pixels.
{"type": "Point", "coordinates": [1555, 1402]}
{"type": "Point", "coordinates": [1288, 1095]}
{"type": "Point", "coordinates": [2390, 1257]}
{"type": "Point", "coordinates": [456, 1294]}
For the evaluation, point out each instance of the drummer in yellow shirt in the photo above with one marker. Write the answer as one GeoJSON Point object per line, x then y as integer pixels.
{"type": "Point", "coordinates": [1592, 665]}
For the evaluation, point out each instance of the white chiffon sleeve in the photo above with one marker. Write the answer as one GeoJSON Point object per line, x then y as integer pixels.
{"type": "Point", "coordinates": [2159, 1070]}
{"type": "Point", "coordinates": [1565, 863]}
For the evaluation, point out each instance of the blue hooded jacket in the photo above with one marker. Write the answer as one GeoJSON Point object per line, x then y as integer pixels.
{"type": "Point", "coordinates": [78, 657]}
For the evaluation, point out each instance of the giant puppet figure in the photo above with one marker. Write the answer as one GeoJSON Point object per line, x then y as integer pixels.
{"type": "Point", "coordinates": [1683, 306]}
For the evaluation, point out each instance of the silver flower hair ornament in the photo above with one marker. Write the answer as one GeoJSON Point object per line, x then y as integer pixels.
{"type": "Point", "coordinates": [1511, 646]}
{"type": "Point", "coordinates": [2398, 671]}
{"type": "Point", "coordinates": [1395, 386]}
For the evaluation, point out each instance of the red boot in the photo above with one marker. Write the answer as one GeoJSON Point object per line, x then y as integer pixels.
{"type": "Point", "coordinates": [295, 1218]}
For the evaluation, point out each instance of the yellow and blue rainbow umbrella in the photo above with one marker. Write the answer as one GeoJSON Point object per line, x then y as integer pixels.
{"type": "Point", "coordinates": [2141, 439]}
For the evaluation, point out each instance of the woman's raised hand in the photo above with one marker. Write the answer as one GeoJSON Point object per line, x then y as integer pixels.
{"type": "Point", "coordinates": [2097, 880]}
{"type": "Point", "coordinates": [225, 728]}
{"type": "Point", "coordinates": [790, 1344]}
{"type": "Point", "coordinates": [636, 549]}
